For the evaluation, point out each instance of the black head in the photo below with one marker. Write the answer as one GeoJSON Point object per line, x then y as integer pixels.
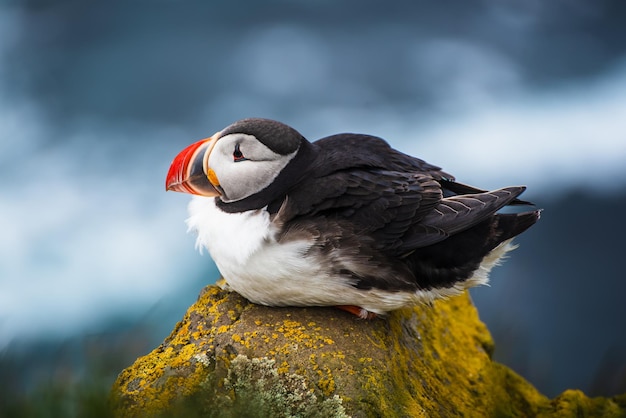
{"type": "Point", "coordinates": [277, 136]}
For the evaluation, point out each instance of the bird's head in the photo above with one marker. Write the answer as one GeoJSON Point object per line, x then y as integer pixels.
{"type": "Point", "coordinates": [239, 161]}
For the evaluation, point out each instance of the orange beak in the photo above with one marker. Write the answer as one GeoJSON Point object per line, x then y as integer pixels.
{"type": "Point", "coordinates": [188, 172]}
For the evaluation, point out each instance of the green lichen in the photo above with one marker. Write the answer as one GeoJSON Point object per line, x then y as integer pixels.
{"type": "Point", "coordinates": [228, 356]}
{"type": "Point", "coordinates": [257, 385]}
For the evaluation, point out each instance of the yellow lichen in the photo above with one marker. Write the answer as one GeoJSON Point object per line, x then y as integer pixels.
{"type": "Point", "coordinates": [423, 361]}
{"type": "Point", "coordinates": [284, 367]}
{"type": "Point", "coordinates": [326, 382]}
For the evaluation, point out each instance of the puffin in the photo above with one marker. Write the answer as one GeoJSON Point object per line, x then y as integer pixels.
{"type": "Point", "coordinates": [344, 221]}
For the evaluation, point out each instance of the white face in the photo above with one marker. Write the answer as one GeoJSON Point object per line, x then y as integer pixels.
{"type": "Point", "coordinates": [244, 166]}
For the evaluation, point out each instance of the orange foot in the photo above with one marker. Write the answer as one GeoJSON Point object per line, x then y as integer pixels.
{"type": "Point", "coordinates": [358, 311]}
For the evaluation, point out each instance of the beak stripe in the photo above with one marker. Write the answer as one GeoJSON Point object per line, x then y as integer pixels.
{"type": "Point", "coordinates": [187, 173]}
{"type": "Point", "coordinates": [213, 178]}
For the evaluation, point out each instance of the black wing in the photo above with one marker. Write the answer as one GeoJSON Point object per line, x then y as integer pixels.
{"type": "Point", "coordinates": [381, 204]}
{"type": "Point", "coordinates": [348, 151]}
{"type": "Point", "coordinates": [396, 199]}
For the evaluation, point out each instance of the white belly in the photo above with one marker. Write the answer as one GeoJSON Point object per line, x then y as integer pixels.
{"type": "Point", "coordinates": [244, 247]}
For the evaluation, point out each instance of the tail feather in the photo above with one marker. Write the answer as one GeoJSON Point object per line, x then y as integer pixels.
{"type": "Point", "coordinates": [457, 257]}
{"type": "Point", "coordinates": [512, 224]}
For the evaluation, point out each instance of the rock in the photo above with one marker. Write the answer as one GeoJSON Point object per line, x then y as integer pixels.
{"type": "Point", "coordinates": [231, 358]}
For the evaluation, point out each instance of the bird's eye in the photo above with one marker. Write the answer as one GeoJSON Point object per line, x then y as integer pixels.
{"type": "Point", "coordinates": [238, 155]}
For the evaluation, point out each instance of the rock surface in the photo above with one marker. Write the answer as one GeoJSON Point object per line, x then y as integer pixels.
{"type": "Point", "coordinates": [231, 358]}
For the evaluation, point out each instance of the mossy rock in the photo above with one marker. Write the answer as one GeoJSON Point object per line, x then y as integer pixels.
{"type": "Point", "coordinates": [231, 358]}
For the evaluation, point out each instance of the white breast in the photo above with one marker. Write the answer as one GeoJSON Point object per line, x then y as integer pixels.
{"type": "Point", "coordinates": [244, 247]}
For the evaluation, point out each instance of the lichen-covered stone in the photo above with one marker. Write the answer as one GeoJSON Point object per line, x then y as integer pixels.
{"type": "Point", "coordinates": [231, 358]}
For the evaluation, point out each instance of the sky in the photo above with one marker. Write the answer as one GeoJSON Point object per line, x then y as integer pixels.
{"type": "Point", "coordinates": [96, 100]}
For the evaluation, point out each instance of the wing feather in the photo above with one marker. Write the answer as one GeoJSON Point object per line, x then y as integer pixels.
{"type": "Point", "coordinates": [396, 199]}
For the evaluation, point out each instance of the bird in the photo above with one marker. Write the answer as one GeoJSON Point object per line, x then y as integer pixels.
{"type": "Point", "coordinates": [345, 221]}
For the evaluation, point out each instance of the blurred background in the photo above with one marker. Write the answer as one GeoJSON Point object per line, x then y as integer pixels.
{"type": "Point", "coordinates": [96, 98]}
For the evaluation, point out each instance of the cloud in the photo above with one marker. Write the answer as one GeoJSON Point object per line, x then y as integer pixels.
{"type": "Point", "coordinates": [84, 241]}
{"type": "Point", "coordinates": [567, 137]}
